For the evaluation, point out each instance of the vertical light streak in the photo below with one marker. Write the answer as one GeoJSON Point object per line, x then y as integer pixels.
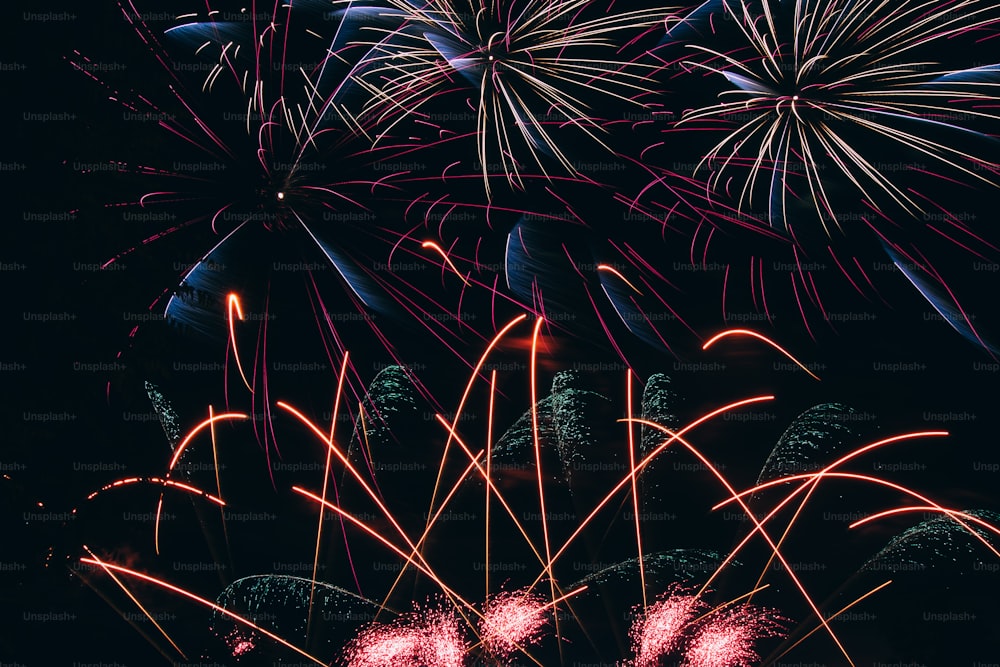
{"type": "Point", "coordinates": [538, 466]}
{"type": "Point", "coordinates": [489, 475]}
{"type": "Point", "coordinates": [635, 486]}
{"type": "Point", "coordinates": [326, 481]}
{"type": "Point", "coordinates": [233, 306]}
{"type": "Point", "coordinates": [181, 448]}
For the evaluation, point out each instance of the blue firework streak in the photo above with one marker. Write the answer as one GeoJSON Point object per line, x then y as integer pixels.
{"type": "Point", "coordinates": [266, 136]}
{"type": "Point", "coordinates": [280, 183]}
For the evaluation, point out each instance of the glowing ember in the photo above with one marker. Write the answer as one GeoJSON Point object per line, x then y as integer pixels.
{"type": "Point", "coordinates": [422, 639]}
{"type": "Point", "coordinates": [660, 630]}
{"type": "Point", "coordinates": [239, 642]}
{"type": "Point", "coordinates": [512, 620]}
{"type": "Point", "coordinates": [727, 639]}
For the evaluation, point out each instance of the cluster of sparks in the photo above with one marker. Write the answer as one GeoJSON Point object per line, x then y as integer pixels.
{"type": "Point", "coordinates": [512, 619]}
{"type": "Point", "coordinates": [660, 628]}
{"type": "Point", "coordinates": [431, 637]}
{"type": "Point", "coordinates": [730, 639]}
{"type": "Point", "coordinates": [681, 622]}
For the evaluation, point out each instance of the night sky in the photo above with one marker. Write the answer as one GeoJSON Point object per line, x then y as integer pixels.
{"type": "Point", "coordinates": [85, 350]}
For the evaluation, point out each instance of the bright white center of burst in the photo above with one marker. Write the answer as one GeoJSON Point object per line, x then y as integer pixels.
{"type": "Point", "coordinates": [491, 58]}
{"type": "Point", "coordinates": [795, 98]}
{"type": "Point", "coordinates": [281, 196]}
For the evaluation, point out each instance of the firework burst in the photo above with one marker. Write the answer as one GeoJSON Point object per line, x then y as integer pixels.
{"type": "Point", "coordinates": [512, 619]}
{"type": "Point", "coordinates": [532, 67]}
{"type": "Point", "coordinates": [828, 84]}
{"type": "Point", "coordinates": [847, 134]}
{"type": "Point", "coordinates": [297, 214]}
{"type": "Point", "coordinates": [659, 630]}
{"type": "Point", "coordinates": [428, 638]}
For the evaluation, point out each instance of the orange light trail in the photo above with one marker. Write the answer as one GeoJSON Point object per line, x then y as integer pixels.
{"type": "Point", "coordinates": [433, 520]}
{"type": "Point", "coordinates": [491, 487]}
{"type": "Point", "coordinates": [179, 451]}
{"type": "Point", "coordinates": [950, 513]}
{"type": "Point", "coordinates": [399, 552]}
{"type": "Point", "coordinates": [496, 491]}
{"type": "Point", "coordinates": [747, 332]}
{"type": "Point", "coordinates": [371, 493]}
{"type": "Point", "coordinates": [233, 306]}
{"type": "Point", "coordinates": [138, 604]}
{"type": "Point", "coordinates": [326, 481]}
{"type": "Point", "coordinates": [489, 475]}
{"type": "Point", "coordinates": [215, 451]}
{"type": "Point", "coordinates": [465, 397]}
{"type": "Point", "coordinates": [646, 461]}
{"type": "Point", "coordinates": [825, 471]}
{"type": "Point", "coordinates": [719, 607]}
{"type": "Point", "coordinates": [759, 527]}
{"type": "Point", "coordinates": [813, 483]}
{"type": "Point", "coordinates": [829, 618]}
{"type": "Point", "coordinates": [538, 462]}
{"type": "Point", "coordinates": [927, 508]}
{"type": "Point", "coordinates": [616, 272]}
{"type": "Point", "coordinates": [892, 485]}
{"type": "Point", "coordinates": [128, 481]}
{"type": "Point", "coordinates": [635, 486]}
{"type": "Point", "coordinates": [434, 246]}
{"type": "Point", "coordinates": [208, 603]}
{"type": "Point", "coordinates": [350, 468]}
{"type": "Point", "coordinates": [218, 481]}
{"type": "Point", "coordinates": [197, 429]}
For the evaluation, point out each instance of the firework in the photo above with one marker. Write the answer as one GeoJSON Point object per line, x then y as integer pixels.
{"type": "Point", "coordinates": [660, 629]}
{"type": "Point", "coordinates": [429, 638]}
{"type": "Point", "coordinates": [819, 73]}
{"type": "Point", "coordinates": [728, 640]}
{"type": "Point", "coordinates": [512, 620]}
{"type": "Point", "coordinates": [525, 68]}
{"type": "Point", "coordinates": [295, 219]}
{"type": "Point", "coordinates": [843, 134]}
{"type": "Point", "coordinates": [544, 611]}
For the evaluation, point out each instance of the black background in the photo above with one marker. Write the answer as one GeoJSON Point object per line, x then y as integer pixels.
{"type": "Point", "coordinates": [39, 377]}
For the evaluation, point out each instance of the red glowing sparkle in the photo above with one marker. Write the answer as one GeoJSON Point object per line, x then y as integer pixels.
{"type": "Point", "coordinates": [239, 643]}
{"type": "Point", "coordinates": [512, 620]}
{"type": "Point", "coordinates": [428, 637]}
{"type": "Point", "coordinates": [728, 638]}
{"type": "Point", "coordinates": [661, 628]}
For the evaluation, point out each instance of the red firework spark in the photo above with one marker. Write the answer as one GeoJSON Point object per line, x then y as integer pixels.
{"type": "Point", "coordinates": [511, 620]}
{"type": "Point", "coordinates": [430, 637]}
{"type": "Point", "coordinates": [661, 628]}
{"type": "Point", "coordinates": [727, 638]}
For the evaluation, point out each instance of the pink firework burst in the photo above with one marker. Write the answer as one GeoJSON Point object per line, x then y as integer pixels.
{"type": "Point", "coordinates": [239, 643]}
{"type": "Point", "coordinates": [728, 638]}
{"type": "Point", "coordinates": [661, 628]}
{"type": "Point", "coordinates": [425, 638]}
{"type": "Point", "coordinates": [511, 620]}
